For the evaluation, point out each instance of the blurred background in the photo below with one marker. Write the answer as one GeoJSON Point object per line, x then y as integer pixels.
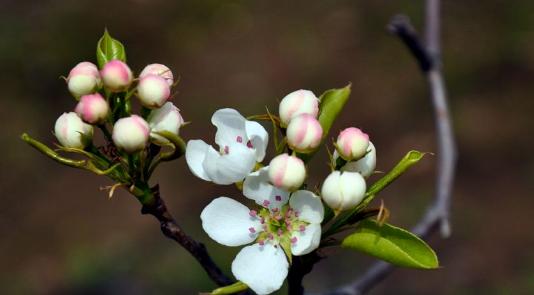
{"type": "Point", "coordinates": [59, 234]}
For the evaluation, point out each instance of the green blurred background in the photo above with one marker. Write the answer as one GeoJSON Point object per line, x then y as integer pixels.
{"type": "Point", "coordinates": [59, 234]}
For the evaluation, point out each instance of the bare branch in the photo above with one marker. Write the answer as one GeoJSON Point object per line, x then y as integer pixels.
{"type": "Point", "coordinates": [437, 214]}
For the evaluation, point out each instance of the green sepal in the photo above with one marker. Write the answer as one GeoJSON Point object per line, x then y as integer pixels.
{"type": "Point", "coordinates": [230, 289]}
{"type": "Point", "coordinates": [108, 49]}
{"type": "Point", "coordinates": [392, 244]}
{"type": "Point", "coordinates": [285, 243]}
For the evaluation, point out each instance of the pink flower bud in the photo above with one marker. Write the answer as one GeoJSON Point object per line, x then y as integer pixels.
{"type": "Point", "coordinates": [116, 75]}
{"type": "Point", "coordinates": [131, 133]}
{"type": "Point", "coordinates": [83, 79]}
{"type": "Point", "coordinates": [166, 118]}
{"type": "Point", "coordinates": [304, 133]}
{"type": "Point", "coordinates": [160, 70]}
{"type": "Point", "coordinates": [153, 91]}
{"type": "Point", "coordinates": [296, 103]}
{"type": "Point", "coordinates": [287, 172]}
{"type": "Point", "coordinates": [343, 190]}
{"type": "Point", "coordinates": [352, 144]}
{"type": "Point", "coordinates": [72, 132]}
{"type": "Point", "coordinates": [92, 108]}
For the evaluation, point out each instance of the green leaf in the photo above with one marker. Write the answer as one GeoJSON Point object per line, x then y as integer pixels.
{"type": "Point", "coordinates": [108, 49]}
{"type": "Point", "coordinates": [332, 102]}
{"type": "Point", "coordinates": [230, 289]}
{"type": "Point", "coordinates": [392, 244]}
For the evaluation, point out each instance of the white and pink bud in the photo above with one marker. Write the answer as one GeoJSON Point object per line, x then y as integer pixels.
{"type": "Point", "coordinates": [83, 79]}
{"type": "Point", "coordinates": [159, 70]}
{"type": "Point", "coordinates": [297, 103]}
{"type": "Point", "coordinates": [304, 133]}
{"type": "Point", "coordinates": [166, 118]}
{"type": "Point", "coordinates": [343, 190]}
{"type": "Point", "coordinates": [92, 108]}
{"type": "Point", "coordinates": [365, 166]}
{"type": "Point", "coordinates": [116, 75]}
{"type": "Point", "coordinates": [131, 133]}
{"type": "Point", "coordinates": [287, 172]}
{"type": "Point", "coordinates": [352, 144]}
{"type": "Point", "coordinates": [72, 132]}
{"type": "Point", "coordinates": [153, 91]}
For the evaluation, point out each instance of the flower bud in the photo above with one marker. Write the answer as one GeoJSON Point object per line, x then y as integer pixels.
{"type": "Point", "coordinates": [131, 133]}
{"type": "Point", "coordinates": [160, 70]}
{"type": "Point", "coordinates": [296, 103]}
{"type": "Point", "coordinates": [304, 133]}
{"type": "Point", "coordinates": [287, 172]}
{"type": "Point", "coordinates": [153, 91]}
{"type": "Point", "coordinates": [166, 118]}
{"type": "Point", "coordinates": [72, 132]}
{"type": "Point", "coordinates": [352, 144]}
{"type": "Point", "coordinates": [116, 75]}
{"type": "Point", "coordinates": [83, 79]}
{"type": "Point", "coordinates": [366, 165]}
{"type": "Point", "coordinates": [343, 190]}
{"type": "Point", "coordinates": [92, 108]}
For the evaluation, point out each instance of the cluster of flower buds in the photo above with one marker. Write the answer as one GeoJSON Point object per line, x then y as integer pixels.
{"type": "Point", "coordinates": [343, 190]}
{"type": "Point", "coordinates": [94, 90]}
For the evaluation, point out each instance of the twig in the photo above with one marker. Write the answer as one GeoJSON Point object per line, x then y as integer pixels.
{"type": "Point", "coordinates": [436, 215]}
{"type": "Point", "coordinates": [173, 231]}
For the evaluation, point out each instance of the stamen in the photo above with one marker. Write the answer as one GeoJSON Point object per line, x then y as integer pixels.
{"type": "Point", "coordinates": [252, 230]}
{"type": "Point", "coordinates": [261, 242]}
{"type": "Point", "coordinates": [294, 240]}
{"type": "Point", "coordinates": [262, 220]}
{"type": "Point", "coordinates": [253, 213]}
{"type": "Point", "coordinates": [226, 149]}
{"type": "Point", "coordinates": [297, 213]}
{"type": "Point", "coordinates": [280, 232]}
{"type": "Point", "coordinates": [266, 203]}
{"type": "Point", "coordinates": [302, 228]}
{"type": "Point", "coordinates": [278, 198]}
{"type": "Point", "coordinates": [275, 210]}
{"type": "Point", "coordinates": [239, 139]}
{"type": "Point", "coordinates": [270, 236]}
{"type": "Point", "coordinates": [249, 144]}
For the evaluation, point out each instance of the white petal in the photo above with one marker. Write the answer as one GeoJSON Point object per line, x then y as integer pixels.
{"type": "Point", "coordinates": [230, 125]}
{"type": "Point", "coordinates": [257, 187]}
{"type": "Point", "coordinates": [262, 268]}
{"type": "Point", "coordinates": [307, 241]}
{"type": "Point", "coordinates": [308, 205]}
{"type": "Point", "coordinates": [228, 222]}
{"type": "Point", "coordinates": [231, 167]}
{"type": "Point", "coordinates": [258, 137]}
{"type": "Point", "coordinates": [195, 154]}
{"type": "Point", "coordinates": [366, 165]}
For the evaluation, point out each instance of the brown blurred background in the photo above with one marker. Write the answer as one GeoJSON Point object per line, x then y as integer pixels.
{"type": "Point", "coordinates": [59, 234]}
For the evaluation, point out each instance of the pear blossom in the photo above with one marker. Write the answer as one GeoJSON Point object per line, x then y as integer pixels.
{"type": "Point", "coordinates": [365, 166]}
{"type": "Point", "coordinates": [160, 70]}
{"type": "Point", "coordinates": [297, 103]}
{"type": "Point", "coordinates": [83, 79]}
{"type": "Point", "coordinates": [343, 190]}
{"type": "Point", "coordinates": [277, 229]}
{"type": "Point", "coordinates": [352, 143]}
{"type": "Point", "coordinates": [92, 108]}
{"type": "Point", "coordinates": [166, 118]}
{"type": "Point", "coordinates": [116, 75]}
{"type": "Point", "coordinates": [72, 132]}
{"type": "Point", "coordinates": [304, 133]}
{"type": "Point", "coordinates": [153, 91]}
{"type": "Point", "coordinates": [131, 133]}
{"type": "Point", "coordinates": [287, 172]}
{"type": "Point", "coordinates": [241, 143]}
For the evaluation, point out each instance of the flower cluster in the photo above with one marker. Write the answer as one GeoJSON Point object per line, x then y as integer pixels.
{"type": "Point", "coordinates": [99, 103]}
{"type": "Point", "coordinates": [287, 221]}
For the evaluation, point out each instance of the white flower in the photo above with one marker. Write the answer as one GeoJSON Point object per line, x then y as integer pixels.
{"type": "Point", "coordinates": [297, 103]}
{"type": "Point", "coordinates": [263, 266]}
{"type": "Point", "coordinates": [131, 133]}
{"type": "Point", "coordinates": [304, 133]}
{"type": "Point", "coordinates": [166, 118]}
{"type": "Point", "coordinates": [365, 166]}
{"type": "Point", "coordinates": [352, 143]}
{"type": "Point", "coordinates": [287, 172]}
{"type": "Point", "coordinates": [242, 143]}
{"type": "Point", "coordinates": [343, 190]}
{"type": "Point", "coordinates": [72, 132]}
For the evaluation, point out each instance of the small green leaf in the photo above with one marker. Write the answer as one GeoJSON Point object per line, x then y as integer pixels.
{"type": "Point", "coordinates": [332, 102]}
{"type": "Point", "coordinates": [230, 289]}
{"type": "Point", "coordinates": [392, 244]}
{"type": "Point", "coordinates": [108, 49]}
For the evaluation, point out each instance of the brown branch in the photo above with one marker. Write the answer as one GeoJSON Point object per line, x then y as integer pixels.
{"type": "Point", "coordinates": [170, 228]}
{"type": "Point", "coordinates": [437, 214]}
